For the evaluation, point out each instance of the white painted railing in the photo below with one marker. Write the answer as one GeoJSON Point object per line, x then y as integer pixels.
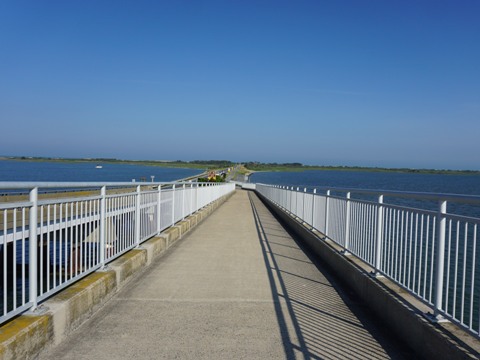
{"type": "Point", "coordinates": [48, 242]}
{"type": "Point", "coordinates": [430, 253]}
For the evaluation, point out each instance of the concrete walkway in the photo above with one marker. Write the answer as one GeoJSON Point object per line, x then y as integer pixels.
{"type": "Point", "coordinates": [237, 287]}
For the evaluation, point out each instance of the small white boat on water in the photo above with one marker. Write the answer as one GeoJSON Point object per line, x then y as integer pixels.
{"type": "Point", "coordinates": [98, 167]}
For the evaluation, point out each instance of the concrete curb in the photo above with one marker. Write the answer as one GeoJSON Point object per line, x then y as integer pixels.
{"type": "Point", "coordinates": [25, 336]}
{"type": "Point", "coordinates": [387, 300]}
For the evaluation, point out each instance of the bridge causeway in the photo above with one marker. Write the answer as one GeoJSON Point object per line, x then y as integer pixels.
{"type": "Point", "coordinates": [237, 286]}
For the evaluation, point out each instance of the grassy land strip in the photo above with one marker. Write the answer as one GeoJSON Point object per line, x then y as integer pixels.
{"type": "Point", "coordinates": [300, 167]}
{"type": "Point", "coordinates": [246, 167]}
{"type": "Point", "coordinates": [196, 164]}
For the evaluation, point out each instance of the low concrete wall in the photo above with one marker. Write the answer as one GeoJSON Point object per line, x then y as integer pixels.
{"type": "Point", "coordinates": [399, 311]}
{"type": "Point", "coordinates": [25, 336]}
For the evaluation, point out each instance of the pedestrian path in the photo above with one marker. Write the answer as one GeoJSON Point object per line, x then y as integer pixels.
{"type": "Point", "coordinates": [237, 287]}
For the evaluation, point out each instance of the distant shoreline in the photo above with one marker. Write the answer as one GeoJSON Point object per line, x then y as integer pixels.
{"type": "Point", "coordinates": [299, 167]}
{"type": "Point", "coordinates": [106, 161]}
{"type": "Point", "coordinates": [249, 167]}
{"type": "Point", "coordinates": [372, 169]}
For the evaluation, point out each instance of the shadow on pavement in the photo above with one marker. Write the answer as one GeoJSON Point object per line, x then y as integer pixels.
{"type": "Point", "coordinates": [316, 318]}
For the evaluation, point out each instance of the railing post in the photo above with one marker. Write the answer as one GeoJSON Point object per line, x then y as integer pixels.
{"type": "Point", "coordinates": [296, 202]}
{"type": "Point", "coordinates": [313, 208]}
{"type": "Point", "coordinates": [290, 190]}
{"type": "Point", "coordinates": [206, 199]}
{"type": "Point", "coordinates": [33, 248]}
{"type": "Point", "coordinates": [279, 196]}
{"type": "Point", "coordinates": [159, 209]}
{"type": "Point", "coordinates": [183, 201]}
{"type": "Point", "coordinates": [137, 217]}
{"type": "Point", "coordinates": [441, 228]}
{"type": "Point", "coordinates": [103, 245]}
{"type": "Point", "coordinates": [196, 197]}
{"type": "Point", "coordinates": [327, 211]}
{"type": "Point", "coordinates": [173, 204]}
{"type": "Point", "coordinates": [304, 204]}
{"type": "Point", "coordinates": [347, 224]}
{"type": "Point", "coordinates": [191, 199]}
{"type": "Point", "coordinates": [288, 199]}
{"type": "Point", "coordinates": [379, 239]}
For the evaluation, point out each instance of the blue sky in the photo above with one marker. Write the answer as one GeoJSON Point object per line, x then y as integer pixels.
{"type": "Point", "coordinates": [369, 83]}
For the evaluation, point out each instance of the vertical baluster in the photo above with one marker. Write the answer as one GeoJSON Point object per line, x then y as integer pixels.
{"type": "Point", "coordinates": [77, 245]}
{"type": "Point", "coordinates": [313, 208]}
{"type": "Point", "coordinates": [14, 257]}
{"type": "Point", "coordinates": [327, 212]}
{"type": "Point", "coordinates": [191, 192]}
{"type": "Point", "coordinates": [103, 245]}
{"type": "Point", "coordinates": [33, 248]}
{"type": "Point", "coordinates": [183, 201]}
{"type": "Point", "coordinates": [464, 273]}
{"type": "Point", "coordinates": [415, 253]}
{"type": "Point", "coordinates": [347, 224]}
{"type": "Point", "coordinates": [70, 229]}
{"type": "Point", "coordinates": [137, 216]}
{"type": "Point", "coordinates": [82, 237]}
{"type": "Point", "coordinates": [40, 247]}
{"type": "Point", "coordinates": [159, 209]}
{"type": "Point", "coordinates": [196, 197]}
{"type": "Point", "coordinates": [379, 237]}
{"type": "Point", "coordinates": [472, 284]}
{"type": "Point", "coordinates": [4, 270]}
{"type": "Point", "coordinates": [304, 218]}
{"type": "Point", "coordinates": [173, 204]}
{"type": "Point", "coordinates": [410, 251]}
{"type": "Point", "coordinates": [420, 255]}
{"type": "Point", "coordinates": [391, 224]}
{"type": "Point", "coordinates": [432, 257]}
{"type": "Point", "coordinates": [441, 223]}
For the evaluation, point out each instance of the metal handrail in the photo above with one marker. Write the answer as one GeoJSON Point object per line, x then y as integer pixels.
{"type": "Point", "coordinates": [46, 244]}
{"type": "Point", "coordinates": [431, 254]}
{"type": "Point", "coordinates": [83, 184]}
{"type": "Point", "coordinates": [461, 198]}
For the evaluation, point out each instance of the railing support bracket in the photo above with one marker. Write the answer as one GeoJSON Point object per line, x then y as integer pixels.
{"type": "Point", "coordinates": [376, 275]}
{"type": "Point", "coordinates": [435, 318]}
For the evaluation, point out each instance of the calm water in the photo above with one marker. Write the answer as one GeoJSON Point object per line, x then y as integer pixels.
{"type": "Point", "coordinates": [452, 184]}
{"type": "Point", "coordinates": [455, 184]}
{"type": "Point", "coordinates": [55, 171]}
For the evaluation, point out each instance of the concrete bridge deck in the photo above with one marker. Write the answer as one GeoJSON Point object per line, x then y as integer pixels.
{"type": "Point", "coordinates": [238, 286]}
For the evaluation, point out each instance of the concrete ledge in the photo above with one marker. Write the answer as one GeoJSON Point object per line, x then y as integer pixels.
{"type": "Point", "coordinates": [172, 234]}
{"type": "Point", "coordinates": [427, 339]}
{"type": "Point", "coordinates": [184, 226]}
{"type": "Point", "coordinates": [155, 247]}
{"type": "Point", "coordinates": [128, 264]}
{"type": "Point", "coordinates": [25, 336]}
{"type": "Point", "coordinates": [72, 306]}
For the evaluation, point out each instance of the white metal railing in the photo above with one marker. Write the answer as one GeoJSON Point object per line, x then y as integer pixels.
{"type": "Point", "coordinates": [430, 253]}
{"type": "Point", "coordinates": [48, 242]}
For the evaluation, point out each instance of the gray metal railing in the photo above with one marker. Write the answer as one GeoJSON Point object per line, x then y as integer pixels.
{"type": "Point", "coordinates": [48, 242]}
{"type": "Point", "coordinates": [430, 253]}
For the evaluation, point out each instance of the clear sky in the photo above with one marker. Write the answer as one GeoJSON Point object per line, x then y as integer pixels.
{"type": "Point", "coordinates": [362, 82]}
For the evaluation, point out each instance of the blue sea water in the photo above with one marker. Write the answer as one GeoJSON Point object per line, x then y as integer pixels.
{"type": "Point", "coordinates": [11, 170]}
{"type": "Point", "coordinates": [411, 182]}
{"type": "Point", "coordinates": [415, 182]}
